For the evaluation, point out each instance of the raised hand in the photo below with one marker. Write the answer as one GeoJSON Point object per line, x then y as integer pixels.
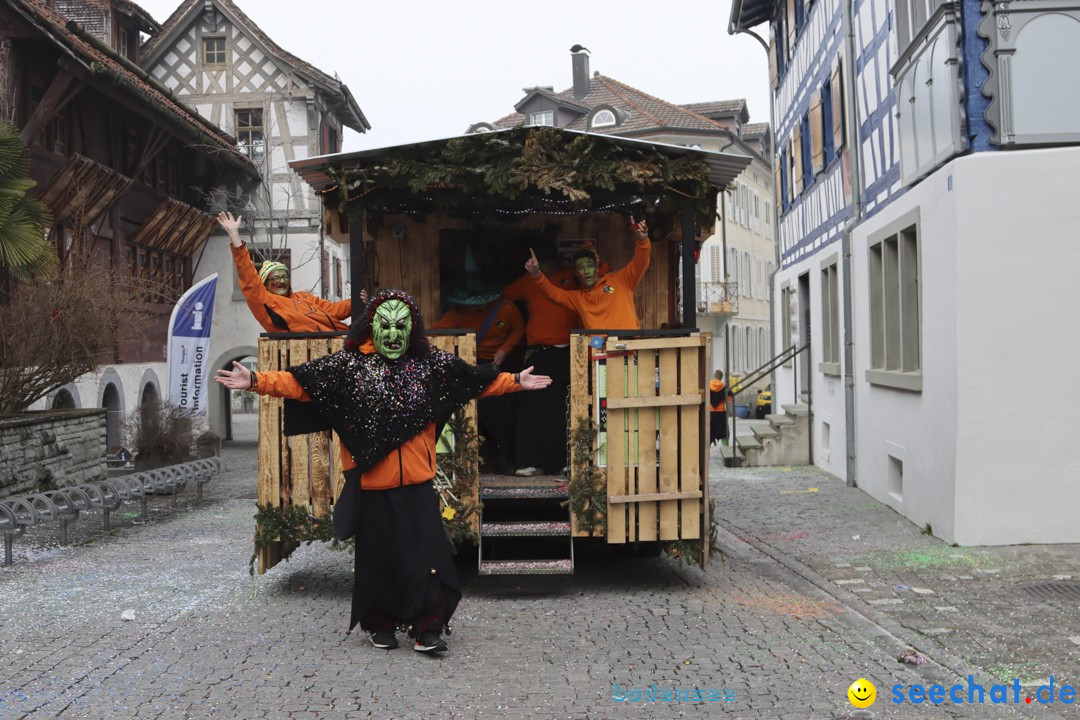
{"type": "Point", "coordinates": [532, 265]}
{"type": "Point", "coordinates": [639, 227]}
{"type": "Point", "coordinates": [238, 379]}
{"type": "Point", "coordinates": [231, 226]}
{"type": "Point", "coordinates": [528, 381]}
{"type": "Point", "coordinates": [363, 296]}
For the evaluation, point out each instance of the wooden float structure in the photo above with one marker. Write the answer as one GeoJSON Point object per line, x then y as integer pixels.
{"type": "Point", "coordinates": [641, 396]}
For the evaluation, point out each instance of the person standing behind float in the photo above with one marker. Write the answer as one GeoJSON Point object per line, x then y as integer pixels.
{"type": "Point", "coordinates": [541, 416]}
{"type": "Point", "coordinates": [270, 297]}
{"type": "Point", "coordinates": [605, 301]}
{"type": "Point", "coordinates": [383, 394]}
{"type": "Point", "coordinates": [499, 329]}
{"type": "Point", "coordinates": [718, 397]}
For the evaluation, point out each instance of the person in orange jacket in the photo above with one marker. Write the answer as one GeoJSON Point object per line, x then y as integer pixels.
{"type": "Point", "coordinates": [384, 394]}
{"type": "Point", "coordinates": [269, 294]}
{"type": "Point", "coordinates": [499, 329]}
{"type": "Point", "coordinates": [605, 300]}
{"type": "Point", "coordinates": [718, 402]}
{"type": "Point", "coordinates": [542, 428]}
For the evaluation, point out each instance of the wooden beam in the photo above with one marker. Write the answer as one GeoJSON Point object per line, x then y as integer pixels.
{"type": "Point", "coordinates": [58, 94]}
{"type": "Point", "coordinates": [655, 401]}
{"type": "Point", "coordinates": [653, 497]}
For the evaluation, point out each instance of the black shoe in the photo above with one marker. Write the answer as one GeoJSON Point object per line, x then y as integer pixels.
{"type": "Point", "coordinates": [383, 639]}
{"type": "Point", "coordinates": [429, 642]}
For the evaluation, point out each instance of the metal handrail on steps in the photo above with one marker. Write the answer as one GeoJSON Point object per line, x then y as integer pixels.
{"type": "Point", "coordinates": [788, 353]}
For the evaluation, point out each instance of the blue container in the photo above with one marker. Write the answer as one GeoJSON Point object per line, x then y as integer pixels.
{"type": "Point", "coordinates": [742, 411]}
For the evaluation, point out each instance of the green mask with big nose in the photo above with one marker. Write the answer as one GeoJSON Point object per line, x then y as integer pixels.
{"type": "Point", "coordinates": [391, 328]}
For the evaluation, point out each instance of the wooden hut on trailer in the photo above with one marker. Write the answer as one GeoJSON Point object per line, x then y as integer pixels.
{"type": "Point", "coordinates": [421, 217]}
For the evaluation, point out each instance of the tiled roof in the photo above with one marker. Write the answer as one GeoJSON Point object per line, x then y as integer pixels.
{"type": "Point", "coordinates": [646, 112]}
{"type": "Point", "coordinates": [103, 61]}
{"type": "Point", "coordinates": [717, 107]}
{"type": "Point", "coordinates": [753, 130]}
{"type": "Point", "coordinates": [345, 106]}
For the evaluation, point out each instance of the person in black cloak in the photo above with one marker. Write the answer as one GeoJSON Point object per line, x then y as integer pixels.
{"type": "Point", "coordinates": [384, 394]}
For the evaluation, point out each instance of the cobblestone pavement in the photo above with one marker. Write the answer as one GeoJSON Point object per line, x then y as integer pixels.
{"type": "Point", "coordinates": [1010, 612]}
{"type": "Point", "coordinates": [162, 620]}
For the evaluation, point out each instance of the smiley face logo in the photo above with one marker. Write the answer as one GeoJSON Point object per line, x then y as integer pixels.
{"type": "Point", "coordinates": [862, 693]}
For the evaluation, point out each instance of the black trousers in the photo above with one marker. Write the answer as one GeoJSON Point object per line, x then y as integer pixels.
{"type": "Point", "coordinates": [542, 423]}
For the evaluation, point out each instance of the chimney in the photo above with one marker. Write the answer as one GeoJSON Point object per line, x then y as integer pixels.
{"type": "Point", "coordinates": [580, 58]}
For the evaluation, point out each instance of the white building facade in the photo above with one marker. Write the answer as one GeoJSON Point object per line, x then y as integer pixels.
{"type": "Point", "coordinates": [280, 109]}
{"type": "Point", "coordinates": [910, 161]}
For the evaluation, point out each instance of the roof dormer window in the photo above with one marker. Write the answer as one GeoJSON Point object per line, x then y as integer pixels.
{"type": "Point", "coordinates": [603, 118]}
{"type": "Point", "coordinates": [546, 117]}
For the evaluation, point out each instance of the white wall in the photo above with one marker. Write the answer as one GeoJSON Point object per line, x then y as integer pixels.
{"type": "Point", "coordinates": [1018, 471]}
{"type": "Point", "coordinates": [915, 429]}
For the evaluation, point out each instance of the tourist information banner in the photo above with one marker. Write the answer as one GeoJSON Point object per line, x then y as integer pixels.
{"type": "Point", "coordinates": [189, 347]}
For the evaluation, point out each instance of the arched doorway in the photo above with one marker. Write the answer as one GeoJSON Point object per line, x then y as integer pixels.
{"type": "Point", "coordinates": [63, 401]}
{"type": "Point", "coordinates": [149, 403]}
{"type": "Point", "coordinates": [110, 400]}
{"type": "Point", "coordinates": [226, 407]}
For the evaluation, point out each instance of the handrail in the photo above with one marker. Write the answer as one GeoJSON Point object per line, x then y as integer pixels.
{"type": "Point", "coordinates": [788, 353]}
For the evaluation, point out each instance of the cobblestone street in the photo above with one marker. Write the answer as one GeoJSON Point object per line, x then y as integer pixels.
{"type": "Point", "coordinates": [162, 620]}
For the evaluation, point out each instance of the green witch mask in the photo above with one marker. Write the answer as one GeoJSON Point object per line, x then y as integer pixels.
{"type": "Point", "coordinates": [391, 328]}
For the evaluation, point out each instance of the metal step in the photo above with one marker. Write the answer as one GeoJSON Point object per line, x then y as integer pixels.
{"type": "Point", "coordinates": [525, 529]}
{"type": "Point", "coordinates": [515, 488]}
{"type": "Point", "coordinates": [527, 567]}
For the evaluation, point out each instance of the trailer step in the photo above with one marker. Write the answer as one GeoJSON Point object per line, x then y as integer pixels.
{"type": "Point", "coordinates": [527, 567]}
{"type": "Point", "coordinates": [515, 488]}
{"type": "Point", "coordinates": [525, 529]}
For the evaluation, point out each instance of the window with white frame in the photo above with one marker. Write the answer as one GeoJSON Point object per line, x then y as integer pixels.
{"type": "Point", "coordinates": [748, 275]}
{"type": "Point", "coordinates": [830, 318]}
{"type": "Point", "coordinates": [895, 313]}
{"type": "Point", "coordinates": [751, 361]}
{"type": "Point", "coordinates": [603, 118]}
{"type": "Point", "coordinates": [716, 269]}
{"type": "Point", "coordinates": [546, 117]}
{"type": "Point", "coordinates": [249, 133]}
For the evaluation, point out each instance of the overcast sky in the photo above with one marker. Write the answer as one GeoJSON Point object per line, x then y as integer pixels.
{"type": "Point", "coordinates": [424, 70]}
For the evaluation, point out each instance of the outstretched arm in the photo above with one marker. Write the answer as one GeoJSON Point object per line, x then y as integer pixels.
{"type": "Point", "coordinates": [254, 291]}
{"type": "Point", "coordinates": [512, 382]}
{"type": "Point", "coordinates": [275, 383]}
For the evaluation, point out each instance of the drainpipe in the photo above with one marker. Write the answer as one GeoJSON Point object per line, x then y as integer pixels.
{"type": "Point", "coordinates": [732, 30]}
{"type": "Point", "coordinates": [852, 133]}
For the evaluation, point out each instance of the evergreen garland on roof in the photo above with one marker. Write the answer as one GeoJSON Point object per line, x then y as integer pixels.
{"type": "Point", "coordinates": [525, 170]}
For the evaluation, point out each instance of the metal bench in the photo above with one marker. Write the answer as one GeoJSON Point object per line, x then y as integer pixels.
{"type": "Point", "coordinates": [64, 505]}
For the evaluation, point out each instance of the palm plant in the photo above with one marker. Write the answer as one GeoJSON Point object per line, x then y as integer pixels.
{"type": "Point", "coordinates": [24, 220]}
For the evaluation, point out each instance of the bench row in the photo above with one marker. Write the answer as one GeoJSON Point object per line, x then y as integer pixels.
{"type": "Point", "coordinates": [64, 505]}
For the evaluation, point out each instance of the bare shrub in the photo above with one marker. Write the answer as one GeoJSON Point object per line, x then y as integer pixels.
{"type": "Point", "coordinates": [163, 434]}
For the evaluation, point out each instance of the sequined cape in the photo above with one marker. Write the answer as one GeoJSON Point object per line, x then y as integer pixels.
{"type": "Point", "coordinates": [375, 404]}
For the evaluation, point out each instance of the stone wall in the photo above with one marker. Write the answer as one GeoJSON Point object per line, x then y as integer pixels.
{"type": "Point", "coordinates": [47, 450]}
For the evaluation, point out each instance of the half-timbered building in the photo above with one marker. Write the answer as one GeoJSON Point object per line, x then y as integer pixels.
{"type": "Point", "coordinates": [124, 167]}
{"type": "Point", "coordinates": [281, 109]}
{"type": "Point", "coordinates": [927, 166]}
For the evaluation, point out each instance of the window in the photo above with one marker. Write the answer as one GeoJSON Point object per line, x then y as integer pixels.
{"type": "Point", "coordinates": [807, 153]}
{"type": "Point", "coordinates": [213, 51]}
{"type": "Point", "coordinates": [547, 117]}
{"type": "Point", "coordinates": [817, 135]}
{"type": "Point", "coordinates": [603, 118]}
{"type": "Point", "coordinates": [249, 133]}
{"type": "Point", "coordinates": [751, 361]}
{"type": "Point", "coordinates": [830, 319]}
{"type": "Point", "coordinates": [338, 282]}
{"type": "Point", "coordinates": [911, 17]}
{"type": "Point", "coordinates": [715, 268]}
{"type": "Point", "coordinates": [122, 44]}
{"type": "Point", "coordinates": [748, 275]}
{"type": "Point", "coordinates": [895, 323]}
{"type": "Point", "coordinates": [827, 122]}
{"type": "Point", "coordinates": [836, 83]}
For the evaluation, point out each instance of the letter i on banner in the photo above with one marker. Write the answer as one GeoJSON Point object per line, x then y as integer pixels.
{"type": "Point", "coordinates": [189, 346]}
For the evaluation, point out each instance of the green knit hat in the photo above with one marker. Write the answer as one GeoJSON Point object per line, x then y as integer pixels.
{"type": "Point", "coordinates": [268, 267]}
